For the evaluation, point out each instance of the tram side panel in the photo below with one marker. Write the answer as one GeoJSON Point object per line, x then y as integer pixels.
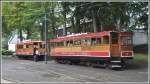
{"type": "Point", "coordinates": [97, 52]}
{"type": "Point", "coordinates": [28, 52]}
{"type": "Point", "coordinates": [24, 52]}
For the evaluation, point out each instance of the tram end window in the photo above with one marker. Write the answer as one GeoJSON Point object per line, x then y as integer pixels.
{"type": "Point", "coordinates": [114, 38]}
{"type": "Point", "coordinates": [126, 40]}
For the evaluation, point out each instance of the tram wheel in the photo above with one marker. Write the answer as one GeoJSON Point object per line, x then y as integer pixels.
{"type": "Point", "coordinates": [88, 64]}
{"type": "Point", "coordinates": [19, 57]}
{"type": "Point", "coordinates": [69, 62]}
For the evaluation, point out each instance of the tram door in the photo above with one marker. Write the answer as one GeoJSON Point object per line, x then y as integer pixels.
{"type": "Point", "coordinates": [115, 51]}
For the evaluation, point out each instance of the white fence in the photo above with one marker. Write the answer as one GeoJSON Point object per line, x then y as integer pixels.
{"type": "Point", "coordinates": [140, 37]}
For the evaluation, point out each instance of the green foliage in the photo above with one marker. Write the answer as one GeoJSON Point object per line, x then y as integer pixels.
{"type": "Point", "coordinates": [121, 15]}
{"type": "Point", "coordinates": [27, 16]}
{"type": "Point", "coordinates": [22, 15]}
{"type": "Point", "coordinates": [7, 52]}
{"type": "Point", "coordinates": [140, 57]}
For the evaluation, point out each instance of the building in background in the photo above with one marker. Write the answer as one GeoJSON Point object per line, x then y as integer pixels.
{"type": "Point", "coordinates": [14, 39]}
{"type": "Point", "coordinates": [140, 37]}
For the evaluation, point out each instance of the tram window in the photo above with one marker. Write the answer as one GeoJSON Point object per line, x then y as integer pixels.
{"type": "Point", "coordinates": [60, 44]}
{"type": "Point", "coordinates": [29, 46]}
{"type": "Point", "coordinates": [51, 45]}
{"type": "Point", "coordinates": [98, 41]}
{"type": "Point", "coordinates": [114, 40]}
{"type": "Point", "coordinates": [24, 46]}
{"type": "Point", "coordinates": [35, 43]}
{"type": "Point", "coordinates": [77, 42]}
{"type": "Point", "coordinates": [88, 41]}
{"type": "Point", "coordinates": [19, 47]}
{"type": "Point", "coordinates": [83, 42]}
{"type": "Point", "coordinates": [54, 44]}
{"type": "Point", "coordinates": [41, 46]}
{"type": "Point", "coordinates": [105, 40]}
{"type": "Point", "coordinates": [93, 41]}
{"type": "Point", "coordinates": [69, 43]}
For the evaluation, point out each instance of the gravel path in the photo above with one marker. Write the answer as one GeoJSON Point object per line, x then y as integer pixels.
{"type": "Point", "coordinates": [16, 70]}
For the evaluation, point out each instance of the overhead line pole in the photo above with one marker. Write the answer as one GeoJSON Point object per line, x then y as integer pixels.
{"type": "Point", "coordinates": [46, 50]}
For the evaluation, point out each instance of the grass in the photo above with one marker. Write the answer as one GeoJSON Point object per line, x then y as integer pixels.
{"type": "Point", "coordinates": [138, 57]}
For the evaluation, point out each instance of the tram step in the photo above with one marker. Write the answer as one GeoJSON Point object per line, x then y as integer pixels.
{"type": "Point", "coordinates": [115, 61]}
{"type": "Point", "coordinates": [115, 66]}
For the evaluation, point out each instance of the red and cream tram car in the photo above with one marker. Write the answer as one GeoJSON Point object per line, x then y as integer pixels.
{"type": "Point", "coordinates": [26, 49]}
{"type": "Point", "coordinates": [96, 49]}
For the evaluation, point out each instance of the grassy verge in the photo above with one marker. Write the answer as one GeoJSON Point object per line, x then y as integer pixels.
{"type": "Point", "coordinates": [138, 57]}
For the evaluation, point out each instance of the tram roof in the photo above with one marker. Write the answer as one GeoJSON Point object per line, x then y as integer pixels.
{"type": "Point", "coordinates": [92, 35]}
{"type": "Point", "coordinates": [28, 43]}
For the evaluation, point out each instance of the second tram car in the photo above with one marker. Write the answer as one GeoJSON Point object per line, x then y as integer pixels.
{"type": "Point", "coordinates": [111, 49]}
{"type": "Point", "coordinates": [26, 49]}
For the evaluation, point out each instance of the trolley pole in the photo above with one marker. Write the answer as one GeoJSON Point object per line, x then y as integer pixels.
{"type": "Point", "coordinates": [46, 50]}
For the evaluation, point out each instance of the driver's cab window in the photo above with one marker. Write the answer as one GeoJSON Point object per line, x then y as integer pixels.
{"type": "Point", "coordinates": [126, 40]}
{"type": "Point", "coordinates": [36, 45]}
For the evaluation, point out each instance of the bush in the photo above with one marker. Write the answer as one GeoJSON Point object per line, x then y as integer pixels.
{"type": "Point", "coordinates": [7, 52]}
{"type": "Point", "coordinates": [141, 48]}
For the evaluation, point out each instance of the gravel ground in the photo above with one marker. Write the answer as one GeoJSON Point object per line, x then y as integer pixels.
{"type": "Point", "coordinates": [16, 70]}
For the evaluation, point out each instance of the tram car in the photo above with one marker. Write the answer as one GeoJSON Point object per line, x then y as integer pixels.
{"type": "Point", "coordinates": [26, 49]}
{"type": "Point", "coordinates": [107, 49]}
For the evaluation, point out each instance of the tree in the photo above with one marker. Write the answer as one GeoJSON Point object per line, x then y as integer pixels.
{"type": "Point", "coordinates": [23, 16]}
{"type": "Point", "coordinates": [66, 10]}
{"type": "Point", "coordinates": [84, 16]}
{"type": "Point", "coordinates": [111, 16]}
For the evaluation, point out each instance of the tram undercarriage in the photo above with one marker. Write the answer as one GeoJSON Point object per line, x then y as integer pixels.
{"type": "Point", "coordinates": [111, 63]}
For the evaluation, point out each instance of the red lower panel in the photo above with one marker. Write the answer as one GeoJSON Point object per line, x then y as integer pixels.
{"type": "Point", "coordinates": [92, 54]}
{"type": "Point", "coordinates": [127, 54]}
